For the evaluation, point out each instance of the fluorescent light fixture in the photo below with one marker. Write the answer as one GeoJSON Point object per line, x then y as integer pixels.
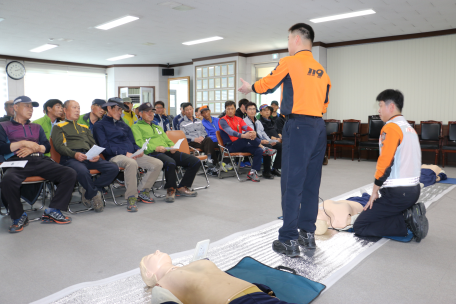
{"type": "Point", "coordinates": [44, 47]}
{"type": "Point", "coordinates": [202, 40]}
{"type": "Point", "coordinates": [343, 16]}
{"type": "Point", "coordinates": [120, 57]}
{"type": "Point", "coordinates": [117, 22]}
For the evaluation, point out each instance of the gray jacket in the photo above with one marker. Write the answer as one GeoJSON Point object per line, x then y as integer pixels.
{"type": "Point", "coordinates": [192, 129]}
{"type": "Point", "coordinates": [258, 127]}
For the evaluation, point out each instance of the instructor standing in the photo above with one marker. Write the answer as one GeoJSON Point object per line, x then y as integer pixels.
{"type": "Point", "coordinates": [305, 88]}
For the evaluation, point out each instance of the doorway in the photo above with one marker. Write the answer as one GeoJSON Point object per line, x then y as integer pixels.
{"type": "Point", "coordinates": [178, 93]}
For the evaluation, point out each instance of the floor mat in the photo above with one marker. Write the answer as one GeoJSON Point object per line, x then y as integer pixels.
{"type": "Point", "coordinates": [448, 181]}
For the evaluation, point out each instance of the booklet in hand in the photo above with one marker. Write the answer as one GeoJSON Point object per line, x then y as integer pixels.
{"type": "Point", "coordinates": [176, 146]}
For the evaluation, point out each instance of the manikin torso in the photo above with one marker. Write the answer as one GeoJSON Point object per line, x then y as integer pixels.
{"type": "Point", "coordinates": [336, 214]}
{"type": "Point", "coordinates": [434, 168]}
{"type": "Point", "coordinates": [200, 282]}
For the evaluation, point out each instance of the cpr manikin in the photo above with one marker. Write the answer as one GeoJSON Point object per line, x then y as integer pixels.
{"type": "Point", "coordinates": [199, 282]}
{"type": "Point", "coordinates": [336, 214]}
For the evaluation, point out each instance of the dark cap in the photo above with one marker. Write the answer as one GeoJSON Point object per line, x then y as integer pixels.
{"type": "Point", "coordinates": [25, 99]}
{"type": "Point", "coordinates": [263, 106]}
{"type": "Point", "coordinates": [114, 101]}
{"type": "Point", "coordinates": [145, 107]}
{"type": "Point", "coordinates": [275, 102]}
{"type": "Point", "coordinates": [98, 102]}
{"type": "Point", "coordinates": [203, 108]}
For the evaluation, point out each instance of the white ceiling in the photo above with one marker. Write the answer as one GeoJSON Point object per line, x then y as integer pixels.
{"type": "Point", "coordinates": [247, 26]}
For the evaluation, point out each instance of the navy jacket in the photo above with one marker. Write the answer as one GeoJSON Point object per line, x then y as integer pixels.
{"type": "Point", "coordinates": [165, 120]}
{"type": "Point", "coordinates": [115, 137]}
{"type": "Point", "coordinates": [176, 122]}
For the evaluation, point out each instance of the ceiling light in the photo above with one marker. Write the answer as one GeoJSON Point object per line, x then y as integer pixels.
{"type": "Point", "coordinates": [343, 16]}
{"type": "Point", "coordinates": [202, 40]}
{"type": "Point", "coordinates": [117, 22]}
{"type": "Point", "coordinates": [43, 48]}
{"type": "Point", "coordinates": [120, 57]}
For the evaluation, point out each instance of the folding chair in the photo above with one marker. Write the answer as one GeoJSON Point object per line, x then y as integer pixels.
{"type": "Point", "coordinates": [185, 148]}
{"type": "Point", "coordinates": [449, 144]}
{"type": "Point", "coordinates": [225, 153]}
{"type": "Point", "coordinates": [348, 137]}
{"type": "Point", "coordinates": [375, 126]}
{"type": "Point", "coordinates": [332, 128]}
{"type": "Point", "coordinates": [431, 137]}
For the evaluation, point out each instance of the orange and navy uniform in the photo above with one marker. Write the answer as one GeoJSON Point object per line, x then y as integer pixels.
{"type": "Point", "coordinates": [304, 82]}
{"type": "Point", "coordinates": [399, 163]}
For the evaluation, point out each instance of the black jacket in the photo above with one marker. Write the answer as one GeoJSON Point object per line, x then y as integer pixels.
{"type": "Point", "coordinates": [279, 121]}
{"type": "Point", "coordinates": [239, 113]}
{"type": "Point", "coordinates": [269, 127]}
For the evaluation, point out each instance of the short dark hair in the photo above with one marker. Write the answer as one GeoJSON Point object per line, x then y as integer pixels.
{"type": "Point", "coordinates": [390, 95]}
{"type": "Point", "coordinates": [160, 103]}
{"type": "Point", "coordinates": [51, 103]}
{"type": "Point", "coordinates": [243, 101]}
{"type": "Point", "coordinates": [185, 105]}
{"type": "Point", "coordinates": [197, 109]}
{"type": "Point", "coordinates": [249, 104]}
{"type": "Point", "coordinates": [230, 103]}
{"type": "Point", "coordinates": [305, 30]}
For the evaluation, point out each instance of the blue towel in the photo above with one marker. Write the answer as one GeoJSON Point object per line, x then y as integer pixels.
{"type": "Point", "coordinates": [403, 239]}
{"type": "Point", "coordinates": [288, 287]}
{"type": "Point", "coordinates": [360, 199]}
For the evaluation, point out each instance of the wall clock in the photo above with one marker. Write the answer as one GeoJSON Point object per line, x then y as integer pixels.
{"type": "Point", "coordinates": [15, 70]}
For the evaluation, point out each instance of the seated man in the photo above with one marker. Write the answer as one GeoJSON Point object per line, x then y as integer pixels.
{"type": "Point", "coordinates": [197, 137]}
{"type": "Point", "coordinates": [96, 114]}
{"type": "Point", "coordinates": [241, 112]}
{"type": "Point", "coordinates": [198, 114]}
{"type": "Point", "coordinates": [160, 118]}
{"type": "Point", "coordinates": [200, 282]}
{"type": "Point", "coordinates": [255, 124]}
{"type": "Point", "coordinates": [276, 117]}
{"type": "Point", "coordinates": [398, 173]}
{"type": "Point", "coordinates": [22, 140]}
{"type": "Point", "coordinates": [238, 137]}
{"type": "Point", "coordinates": [72, 140]}
{"type": "Point", "coordinates": [53, 109]}
{"type": "Point", "coordinates": [9, 111]}
{"type": "Point", "coordinates": [113, 134]}
{"type": "Point", "coordinates": [144, 129]}
{"type": "Point", "coordinates": [128, 114]}
{"type": "Point", "coordinates": [177, 120]}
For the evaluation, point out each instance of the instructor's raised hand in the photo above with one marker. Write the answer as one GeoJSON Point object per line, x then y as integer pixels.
{"type": "Point", "coordinates": [246, 87]}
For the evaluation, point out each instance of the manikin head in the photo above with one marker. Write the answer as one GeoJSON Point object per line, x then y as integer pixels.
{"type": "Point", "coordinates": [251, 110]}
{"type": "Point", "coordinates": [300, 37]}
{"type": "Point", "coordinates": [230, 108]}
{"type": "Point", "coordinates": [154, 266]}
{"type": "Point", "coordinates": [71, 109]}
{"type": "Point", "coordinates": [390, 103]}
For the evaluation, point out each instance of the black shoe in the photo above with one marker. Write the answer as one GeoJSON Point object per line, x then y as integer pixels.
{"type": "Point", "coordinates": [268, 175]}
{"type": "Point", "coordinates": [19, 224]}
{"type": "Point", "coordinates": [307, 239]}
{"type": "Point", "coordinates": [276, 172]}
{"type": "Point", "coordinates": [417, 222]}
{"type": "Point", "coordinates": [288, 248]}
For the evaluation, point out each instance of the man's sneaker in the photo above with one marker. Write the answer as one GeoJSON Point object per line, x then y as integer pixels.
{"type": "Point", "coordinates": [120, 182]}
{"type": "Point", "coordinates": [170, 195]}
{"type": "Point", "coordinates": [19, 224]}
{"type": "Point", "coordinates": [288, 248]}
{"type": "Point", "coordinates": [307, 239]}
{"type": "Point", "coordinates": [184, 191]}
{"type": "Point", "coordinates": [253, 176]}
{"type": "Point", "coordinates": [268, 175]}
{"type": "Point", "coordinates": [131, 204]}
{"type": "Point", "coordinates": [85, 202]}
{"type": "Point", "coordinates": [229, 167]}
{"type": "Point", "coordinates": [269, 151]}
{"type": "Point", "coordinates": [223, 167]}
{"type": "Point", "coordinates": [213, 172]}
{"type": "Point", "coordinates": [247, 164]}
{"type": "Point", "coordinates": [210, 163]}
{"type": "Point", "coordinates": [55, 216]}
{"type": "Point", "coordinates": [276, 172]}
{"type": "Point", "coordinates": [417, 222]}
{"type": "Point", "coordinates": [144, 197]}
{"type": "Point", "coordinates": [98, 202]}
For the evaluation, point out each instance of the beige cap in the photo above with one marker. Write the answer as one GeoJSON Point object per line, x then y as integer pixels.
{"type": "Point", "coordinates": [126, 99]}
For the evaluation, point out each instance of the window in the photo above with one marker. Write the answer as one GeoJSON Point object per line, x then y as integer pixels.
{"type": "Point", "coordinates": [62, 82]}
{"type": "Point", "coordinates": [215, 84]}
{"type": "Point", "coordinates": [262, 71]}
{"type": "Point", "coordinates": [3, 83]}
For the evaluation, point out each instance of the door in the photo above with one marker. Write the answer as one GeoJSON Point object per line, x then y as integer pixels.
{"type": "Point", "coordinates": [172, 103]}
{"type": "Point", "coordinates": [146, 95]}
{"type": "Point", "coordinates": [123, 92]}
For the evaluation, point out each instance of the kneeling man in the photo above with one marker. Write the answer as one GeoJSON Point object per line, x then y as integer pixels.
{"type": "Point", "coordinates": [398, 175]}
{"type": "Point", "coordinates": [113, 134]}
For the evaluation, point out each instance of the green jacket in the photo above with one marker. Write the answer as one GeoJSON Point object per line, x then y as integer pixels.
{"type": "Point", "coordinates": [68, 135]}
{"type": "Point", "coordinates": [46, 124]}
{"type": "Point", "coordinates": [142, 131]}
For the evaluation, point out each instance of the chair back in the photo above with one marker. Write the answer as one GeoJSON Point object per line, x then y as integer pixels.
{"type": "Point", "coordinates": [54, 154]}
{"type": "Point", "coordinates": [411, 123]}
{"type": "Point", "coordinates": [350, 127]}
{"type": "Point", "coordinates": [175, 136]}
{"type": "Point", "coordinates": [431, 130]}
{"type": "Point", "coordinates": [332, 126]}
{"type": "Point", "coordinates": [452, 130]}
{"type": "Point", "coordinates": [375, 126]}
{"type": "Point", "coordinates": [219, 138]}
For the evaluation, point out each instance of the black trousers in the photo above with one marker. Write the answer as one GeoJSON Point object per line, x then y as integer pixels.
{"type": "Point", "coordinates": [44, 167]}
{"type": "Point", "coordinates": [208, 147]}
{"type": "Point", "coordinates": [304, 145]}
{"type": "Point", "coordinates": [171, 160]}
{"type": "Point", "coordinates": [267, 160]}
{"type": "Point", "coordinates": [385, 218]}
{"type": "Point", "coordinates": [107, 169]}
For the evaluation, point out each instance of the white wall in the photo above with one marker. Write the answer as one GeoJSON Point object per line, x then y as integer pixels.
{"type": "Point", "coordinates": [423, 69]}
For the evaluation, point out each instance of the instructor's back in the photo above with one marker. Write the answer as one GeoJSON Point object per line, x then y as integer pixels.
{"type": "Point", "coordinates": [305, 88]}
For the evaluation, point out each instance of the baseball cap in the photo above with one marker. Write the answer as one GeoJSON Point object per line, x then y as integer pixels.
{"type": "Point", "coordinates": [266, 106]}
{"type": "Point", "coordinates": [136, 105]}
{"type": "Point", "coordinates": [114, 101]}
{"type": "Point", "coordinates": [203, 108]}
{"type": "Point", "coordinates": [126, 99]}
{"type": "Point", "coordinates": [99, 102]}
{"type": "Point", "coordinates": [25, 99]}
{"type": "Point", "coordinates": [145, 107]}
{"type": "Point", "coordinates": [275, 102]}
